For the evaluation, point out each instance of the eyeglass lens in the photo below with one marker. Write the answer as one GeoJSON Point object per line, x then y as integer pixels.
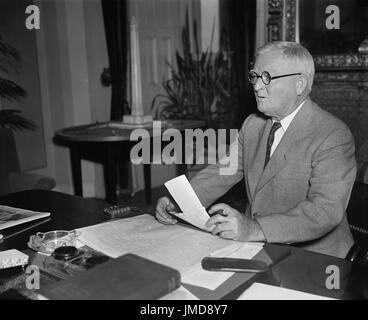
{"type": "Point", "coordinates": [265, 76]}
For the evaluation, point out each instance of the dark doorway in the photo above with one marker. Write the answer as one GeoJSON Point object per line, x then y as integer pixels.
{"type": "Point", "coordinates": [238, 26]}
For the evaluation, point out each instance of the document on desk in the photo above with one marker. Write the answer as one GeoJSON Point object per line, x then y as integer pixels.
{"type": "Point", "coordinates": [212, 279]}
{"type": "Point", "coordinates": [176, 246]}
{"type": "Point", "coordinates": [260, 291]}
{"type": "Point", "coordinates": [179, 294]}
{"type": "Point", "coordinates": [192, 210]}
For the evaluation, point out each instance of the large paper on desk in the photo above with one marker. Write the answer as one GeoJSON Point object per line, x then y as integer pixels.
{"type": "Point", "coordinates": [260, 291]}
{"type": "Point", "coordinates": [191, 207]}
{"type": "Point", "coordinates": [177, 246]}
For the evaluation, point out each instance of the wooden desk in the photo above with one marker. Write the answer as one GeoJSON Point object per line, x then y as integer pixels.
{"type": "Point", "coordinates": [302, 270]}
{"type": "Point", "coordinates": [108, 143]}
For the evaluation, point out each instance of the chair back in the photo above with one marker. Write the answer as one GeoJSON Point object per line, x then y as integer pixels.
{"type": "Point", "coordinates": [357, 210]}
{"type": "Point", "coordinates": [357, 214]}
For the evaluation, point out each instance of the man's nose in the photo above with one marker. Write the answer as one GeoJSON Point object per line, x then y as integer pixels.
{"type": "Point", "coordinates": [258, 85]}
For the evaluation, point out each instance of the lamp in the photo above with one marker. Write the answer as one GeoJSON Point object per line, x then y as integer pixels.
{"type": "Point", "coordinates": [137, 116]}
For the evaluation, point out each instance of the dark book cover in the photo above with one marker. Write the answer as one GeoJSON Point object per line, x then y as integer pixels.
{"type": "Point", "coordinates": [129, 277]}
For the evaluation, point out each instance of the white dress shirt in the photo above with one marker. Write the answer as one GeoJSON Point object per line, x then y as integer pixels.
{"type": "Point", "coordinates": [284, 125]}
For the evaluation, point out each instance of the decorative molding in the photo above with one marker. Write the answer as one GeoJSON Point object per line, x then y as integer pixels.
{"type": "Point", "coordinates": [341, 62]}
{"type": "Point", "coordinates": [290, 18]}
{"type": "Point", "coordinates": [275, 21]}
{"type": "Point", "coordinates": [275, 4]}
{"type": "Point", "coordinates": [349, 76]}
{"type": "Point", "coordinates": [282, 23]}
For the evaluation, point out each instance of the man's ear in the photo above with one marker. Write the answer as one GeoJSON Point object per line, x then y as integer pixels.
{"type": "Point", "coordinates": [301, 84]}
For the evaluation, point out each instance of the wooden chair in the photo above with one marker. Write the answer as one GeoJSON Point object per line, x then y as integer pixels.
{"type": "Point", "coordinates": [357, 213]}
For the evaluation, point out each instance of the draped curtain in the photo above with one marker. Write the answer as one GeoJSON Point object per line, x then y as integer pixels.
{"type": "Point", "coordinates": [238, 17]}
{"type": "Point", "coordinates": [116, 29]}
{"type": "Point", "coordinates": [115, 14]}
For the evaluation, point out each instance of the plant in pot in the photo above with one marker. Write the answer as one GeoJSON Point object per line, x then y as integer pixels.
{"type": "Point", "coordinates": [12, 179]}
{"type": "Point", "coordinates": [202, 85]}
{"type": "Point", "coordinates": [10, 91]}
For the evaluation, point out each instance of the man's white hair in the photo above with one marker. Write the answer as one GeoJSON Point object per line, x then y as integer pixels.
{"type": "Point", "coordinates": [294, 52]}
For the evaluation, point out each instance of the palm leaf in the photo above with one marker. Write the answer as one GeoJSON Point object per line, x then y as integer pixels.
{"type": "Point", "coordinates": [13, 120]}
{"type": "Point", "coordinates": [202, 84]}
{"type": "Point", "coordinates": [8, 52]}
{"type": "Point", "coordinates": [10, 90]}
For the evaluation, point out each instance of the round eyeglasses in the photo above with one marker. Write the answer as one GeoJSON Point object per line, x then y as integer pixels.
{"type": "Point", "coordinates": [266, 77]}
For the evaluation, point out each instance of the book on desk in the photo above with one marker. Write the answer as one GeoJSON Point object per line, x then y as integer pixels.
{"type": "Point", "coordinates": [128, 277]}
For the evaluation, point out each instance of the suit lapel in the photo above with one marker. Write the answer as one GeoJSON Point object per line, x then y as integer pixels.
{"type": "Point", "coordinates": [257, 162]}
{"type": "Point", "coordinates": [279, 158]}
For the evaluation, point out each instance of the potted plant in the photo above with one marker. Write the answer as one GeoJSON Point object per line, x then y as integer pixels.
{"type": "Point", "coordinates": [9, 90]}
{"type": "Point", "coordinates": [202, 85]}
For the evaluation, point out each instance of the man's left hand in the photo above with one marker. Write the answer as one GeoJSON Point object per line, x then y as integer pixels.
{"type": "Point", "coordinates": [231, 224]}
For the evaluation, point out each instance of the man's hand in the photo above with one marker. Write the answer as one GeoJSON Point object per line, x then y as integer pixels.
{"type": "Point", "coordinates": [231, 224]}
{"type": "Point", "coordinates": [164, 209]}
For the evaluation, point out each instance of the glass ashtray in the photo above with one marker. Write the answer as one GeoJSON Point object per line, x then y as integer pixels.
{"type": "Point", "coordinates": [47, 242]}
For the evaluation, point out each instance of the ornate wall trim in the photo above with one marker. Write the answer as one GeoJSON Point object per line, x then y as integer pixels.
{"type": "Point", "coordinates": [291, 17]}
{"type": "Point", "coordinates": [283, 25]}
{"type": "Point", "coordinates": [331, 62]}
{"type": "Point", "coordinates": [283, 20]}
{"type": "Point", "coordinates": [275, 21]}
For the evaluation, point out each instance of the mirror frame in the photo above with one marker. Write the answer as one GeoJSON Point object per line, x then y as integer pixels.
{"type": "Point", "coordinates": [283, 25]}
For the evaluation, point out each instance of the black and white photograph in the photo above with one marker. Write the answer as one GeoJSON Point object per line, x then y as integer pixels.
{"type": "Point", "coordinates": [203, 154]}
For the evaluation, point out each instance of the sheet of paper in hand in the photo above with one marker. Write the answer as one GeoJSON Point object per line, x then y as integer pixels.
{"type": "Point", "coordinates": [191, 207]}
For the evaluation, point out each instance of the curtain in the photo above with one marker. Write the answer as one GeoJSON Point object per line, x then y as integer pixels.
{"type": "Point", "coordinates": [116, 30]}
{"type": "Point", "coordinates": [238, 17]}
{"type": "Point", "coordinates": [115, 14]}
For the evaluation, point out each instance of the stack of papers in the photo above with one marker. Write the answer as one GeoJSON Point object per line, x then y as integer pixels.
{"type": "Point", "coordinates": [180, 294]}
{"type": "Point", "coordinates": [260, 291]}
{"type": "Point", "coordinates": [192, 210]}
{"type": "Point", "coordinates": [176, 245]}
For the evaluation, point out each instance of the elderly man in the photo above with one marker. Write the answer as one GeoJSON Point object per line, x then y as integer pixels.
{"type": "Point", "coordinates": [297, 160]}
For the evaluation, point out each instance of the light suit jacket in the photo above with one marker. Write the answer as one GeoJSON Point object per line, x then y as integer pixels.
{"type": "Point", "coordinates": [302, 194]}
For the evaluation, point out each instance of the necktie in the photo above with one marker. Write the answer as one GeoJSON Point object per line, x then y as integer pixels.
{"type": "Point", "coordinates": [271, 138]}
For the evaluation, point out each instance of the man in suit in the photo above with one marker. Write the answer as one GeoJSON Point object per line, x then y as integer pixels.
{"type": "Point", "coordinates": [297, 160]}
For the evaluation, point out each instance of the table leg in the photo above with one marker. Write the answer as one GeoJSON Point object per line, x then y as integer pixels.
{"type": "Point", "coordinates": [76, 169]}
{"type": "Point", "coordinates": [110, 173]}
{"type": "Point", "coordinates": [147, 183]}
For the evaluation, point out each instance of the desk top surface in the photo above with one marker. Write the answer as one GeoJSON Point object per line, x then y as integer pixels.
{"type": "Point", "coordinates": [115, 131]}
{"type": "Point", "coordinates": [302, 270]}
